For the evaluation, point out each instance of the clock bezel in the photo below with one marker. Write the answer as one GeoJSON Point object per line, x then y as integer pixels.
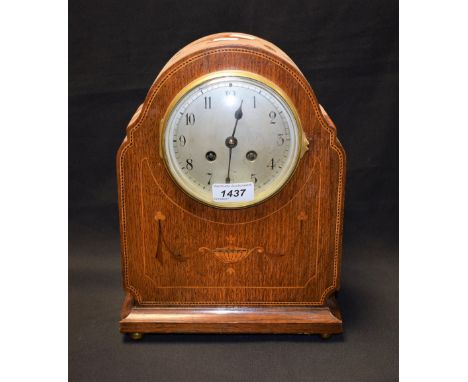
{"type": "Point", "coordinates": [300, 148]}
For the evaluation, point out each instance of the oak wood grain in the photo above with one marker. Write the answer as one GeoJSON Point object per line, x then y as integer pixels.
{"type": "Point", "coordinates": [284, 252]}
{"type": "Point", "coordinates": [231, 320]}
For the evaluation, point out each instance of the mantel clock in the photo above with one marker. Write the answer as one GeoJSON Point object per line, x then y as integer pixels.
{"type": "Point", "coordinates": [231, 193]}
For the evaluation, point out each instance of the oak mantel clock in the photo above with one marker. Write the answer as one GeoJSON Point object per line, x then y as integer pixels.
{"type": "Point", "coordinates": [231, 193]}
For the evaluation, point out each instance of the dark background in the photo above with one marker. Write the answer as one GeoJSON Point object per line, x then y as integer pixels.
{"type": "Point", "coordinates": [348, 50]}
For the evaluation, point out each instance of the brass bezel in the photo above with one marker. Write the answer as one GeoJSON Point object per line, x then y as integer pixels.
{"type": "Point", "coordinates": [302, 142]}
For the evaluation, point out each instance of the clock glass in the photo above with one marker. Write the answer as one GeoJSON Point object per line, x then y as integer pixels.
{"type": "Point", "coordinates": [232, 134]}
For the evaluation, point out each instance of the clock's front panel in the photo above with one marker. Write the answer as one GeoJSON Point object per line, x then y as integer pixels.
{"type": "Point", "coordinates": [183, 243]}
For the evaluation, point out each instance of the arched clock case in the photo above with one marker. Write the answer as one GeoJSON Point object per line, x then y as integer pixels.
{"type": "Point", "coordinates": [266, 263]}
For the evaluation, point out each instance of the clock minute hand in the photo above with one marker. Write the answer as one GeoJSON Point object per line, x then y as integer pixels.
{"type": "Point", "coordinates": [237, 115]}
{"type": "Point", "coordinates": [231, 141]}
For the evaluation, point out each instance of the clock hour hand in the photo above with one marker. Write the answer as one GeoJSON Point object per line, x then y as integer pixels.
{"type": "Point", "coordinates": [231, 141]}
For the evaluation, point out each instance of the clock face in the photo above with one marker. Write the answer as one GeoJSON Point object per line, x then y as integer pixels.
{"type": "Point", "coordinates": [231, 139]}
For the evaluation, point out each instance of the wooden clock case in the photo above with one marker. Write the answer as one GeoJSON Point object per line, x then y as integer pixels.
{"type": "Point", "coordinates": [271, 268]}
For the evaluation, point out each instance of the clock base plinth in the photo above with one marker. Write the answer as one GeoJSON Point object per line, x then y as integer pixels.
{"type": "Point", "coordinates": [325, 320]}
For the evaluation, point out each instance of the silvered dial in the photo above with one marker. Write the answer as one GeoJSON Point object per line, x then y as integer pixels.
{"type": "Point", "coordinates": [231, 129]}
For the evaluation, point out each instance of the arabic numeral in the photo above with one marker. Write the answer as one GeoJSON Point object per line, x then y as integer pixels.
{"type": "Point", "coordinates": [272, 116]}
{"type": "Point", "coordinates": [207, 102]}
{"type": "Point", "coordinates": [190, 119]}
{"type": "Point", "coordinates": [272, 164]}
{"type": "Point", "coordinates": [280, 140]}
{"type": "Point", "coordinates": [188, 165]}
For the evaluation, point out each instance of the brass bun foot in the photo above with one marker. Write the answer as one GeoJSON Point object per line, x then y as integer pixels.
{"type": "Point", "coordinates": [136, 336]}
{"type": "Point", "coordinates": [325, 336]}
